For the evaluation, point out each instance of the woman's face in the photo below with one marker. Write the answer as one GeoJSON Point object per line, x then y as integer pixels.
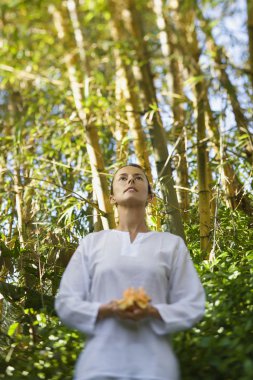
{"type": "Point", "coordinates": [130, 187]}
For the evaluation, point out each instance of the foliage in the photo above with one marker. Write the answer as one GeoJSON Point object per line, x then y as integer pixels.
{"type": "Point", "coordinates": [46, 188]}
{"type": "Point", "coordinates": [221, 345]}
{"type": "Point", "coordinates": [36, 345]}
{"type": "Point", "coordinates": [39, 347]}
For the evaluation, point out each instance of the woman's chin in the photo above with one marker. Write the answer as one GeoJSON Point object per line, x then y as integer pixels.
{"type": "Point", "coordinates": [132, 203]}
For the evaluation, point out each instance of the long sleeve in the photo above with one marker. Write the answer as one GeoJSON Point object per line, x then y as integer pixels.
{"type": "Point", "coordinates": [72, 301]}
{"type": "Point", "coordinates": [186, 296]}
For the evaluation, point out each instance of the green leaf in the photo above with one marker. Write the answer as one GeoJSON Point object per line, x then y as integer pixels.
{"type": "Point", "coordinates": [194, 80]}
{"type": "Point", "coordinates": [13, 328]}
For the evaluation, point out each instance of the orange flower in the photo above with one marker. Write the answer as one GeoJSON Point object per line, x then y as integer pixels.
{"type": "Point", "coordinates": [134, 297]}
{"type": "Point", "coordinates": [142, 299]}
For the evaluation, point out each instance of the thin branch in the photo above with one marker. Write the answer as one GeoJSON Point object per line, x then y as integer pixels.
{"type": "Point", "coordinates": [70, 191]}
{"type": "Point", "coordinates": [53, 162]}
{"type": "Point", "coordinates": [24, 75]}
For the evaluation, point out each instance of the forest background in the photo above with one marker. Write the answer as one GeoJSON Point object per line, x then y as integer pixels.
{"type": "Point", "coordinates": [86, 86]}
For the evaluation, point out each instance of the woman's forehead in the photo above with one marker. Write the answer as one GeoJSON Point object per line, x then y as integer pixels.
{"type": "Point", "coordinates": [129, 170]}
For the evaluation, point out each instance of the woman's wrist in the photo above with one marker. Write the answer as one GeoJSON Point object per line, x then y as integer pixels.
{"type": "Point", "coordinates": [106, 310]}
{"type": "Point", "coordinates": [103, 312]}
{"type": "Point", "coordinates": [153, 312]}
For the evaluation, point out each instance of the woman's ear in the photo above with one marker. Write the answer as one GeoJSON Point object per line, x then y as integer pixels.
{"type": "Point", "coordinates": [112, 200]}
{"type": "Point", "coordinates": [150, 198]}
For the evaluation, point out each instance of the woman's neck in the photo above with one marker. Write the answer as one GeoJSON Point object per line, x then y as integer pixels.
{"type": "Point", "coordinates": [132, 220]}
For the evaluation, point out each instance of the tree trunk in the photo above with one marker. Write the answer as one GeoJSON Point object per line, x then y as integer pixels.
{"type": "Point", "coordinates": [94, 152]}
{"type": "Point", "coordinates": [18, 189]}
{"type": "Point", "coordinates": [250, 34]}
{"type": "Point", "coordinates": [72, 8]}
{"type": "Point", "coordinates": [92, 141]}
{"type": "Point", "coordinates": [97, 222]}
{"type": "Point", "coordinates": [173, 61]}
{"type": "Point", "coordinates": [157, 132]}
{"type": "Point", "coordinates": [120, 130]}
{"type": "Point", "coordinates": [132, 100]}
{"type": "Point", "coordinates": [163, 37]}
{"type": "Point", "coordinates": [203, 184]}
{"type": "Point", "coordinates": [128, 87]}
{"type": "Point", "coordinates": [187, 28]}
{"type": "Point", "coordinates": [221, 60]}
{"type": "Point", "coordinates": [235, 195]}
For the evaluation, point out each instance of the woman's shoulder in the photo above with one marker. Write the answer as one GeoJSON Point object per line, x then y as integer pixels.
{"type": "Point", "coordinates": [168, 235]}
{"type": "Point", "coordinates": [98, 233]}
{"type": "Point", "coordinates": [94, 234]}
{"type": "Point", "coordinates": [168, 239]}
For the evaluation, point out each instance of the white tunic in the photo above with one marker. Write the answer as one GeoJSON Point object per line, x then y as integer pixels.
{"type": "Point", "coordinates": [103, 266]}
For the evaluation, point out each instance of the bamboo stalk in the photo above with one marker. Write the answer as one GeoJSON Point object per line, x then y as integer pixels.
{"type": "Point", "coordinates": [92, 142]}
{"type": "Point", "coordinates": [236, 197]}
{"type": "Point", "coordinates": [18, 189]}
{"type": "Point", "coordinates": [202, 159]}
{"type": "Point", "coordinates": [250, 34]}
{"type": "Point", "coordinates": [221, 60]}
{"type": "Point", "coordinates": [120, 131]}
{"type": "Point", "coordinates": [187, 28]}
{"type": "Point", "coordinates": [172, 60]}
{"type": "Point", "coordinates": [157, 132]}
{"type": "Point", "coordinates": [132, 101]}
{"type": "Point", "coordinates": [72, 8]}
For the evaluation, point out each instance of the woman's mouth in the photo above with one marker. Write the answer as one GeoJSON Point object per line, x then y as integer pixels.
{"type": "Point", "coordinates": [130, 189]}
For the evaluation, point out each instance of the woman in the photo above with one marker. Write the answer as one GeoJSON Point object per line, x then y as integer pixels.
{"type": "Point", "coordinates": [129, 344]}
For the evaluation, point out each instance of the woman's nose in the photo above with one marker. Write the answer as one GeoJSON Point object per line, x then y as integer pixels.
{"type": "Point", "coordinates": [130, 179]}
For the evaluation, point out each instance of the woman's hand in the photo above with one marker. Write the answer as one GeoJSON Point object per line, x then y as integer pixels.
{"type": "Point", "coordinates": [134, 313]}
{"type": "Point", "coordinates": [106, 310]}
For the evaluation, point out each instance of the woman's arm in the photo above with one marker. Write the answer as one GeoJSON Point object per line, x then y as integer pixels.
{"type": "Point", "coordinates": [71, 303]}
{"type": "Point", "coordinates": [186, 296]}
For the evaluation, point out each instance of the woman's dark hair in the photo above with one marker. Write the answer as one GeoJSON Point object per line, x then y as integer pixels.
{"type": "Point", "coordinates": [136, 166]}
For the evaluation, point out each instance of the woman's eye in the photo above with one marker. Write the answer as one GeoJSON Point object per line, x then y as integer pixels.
{"type": "Point", "coordinates": [122, 178]}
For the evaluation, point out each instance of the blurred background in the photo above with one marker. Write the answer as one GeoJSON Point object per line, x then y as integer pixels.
{"type": "Point", "coordinates": [87, 86]}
